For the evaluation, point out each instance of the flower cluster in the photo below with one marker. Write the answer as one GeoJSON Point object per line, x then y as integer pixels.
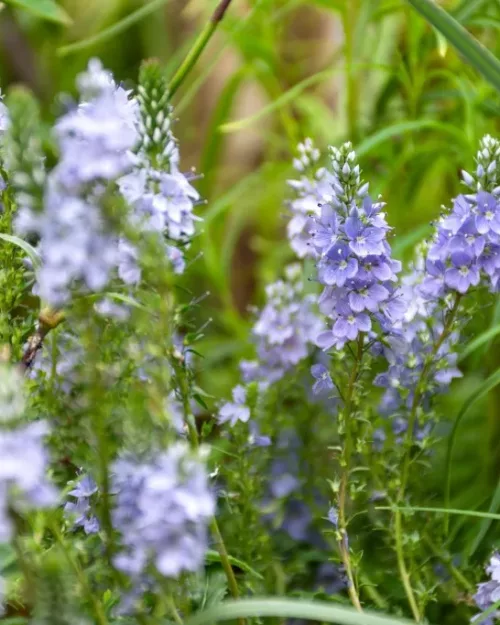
{"type": "Point", "coordinates": [488, 593]}
{"type": "Point", "coordinates": [284, 333]}
{"type": "Point", "coordinates": [313, 189]}
{"type": "Point", "coordinates": [160, 195]}
{"type": "Point", "coordinates": [354, 258]}
{"type": "Point", "coordinates": [23, 469]}
{"type": "Point", "coordinates": [77, 244]}
{"type": "Point", "coordinates": [466, 245]}
{"type": "Point", "coordinates": [110, 140]}
{"type": "Point", "coordinates": [162, 509]}
{"type": "Point", "coordinates": [285, 330]}
{"type": "Point", "coordinates": [80, 510]}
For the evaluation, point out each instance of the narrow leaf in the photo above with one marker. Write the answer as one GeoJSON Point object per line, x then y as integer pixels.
{"type": "Point", "coordinates": [478, 56]}
{"type": "Point", "coordinates": [46, 9]}
{"type": "Point", "coordinates": [483, 389]}
{"type": "Point", "coordinates": [401, 128]}
{"type": "Point", "coordinates": [321, 611]}
{"type": "Point", "coordinates": [111, 31]}
{"type": "Point", "coordinates": [25, 246]}
{"type": "Point", "coordinates": [278, 103]}
{"type": "Point", "coordinates": [486, 523]}
{"type": "Point", "coordinates": [472, 513]}
{"type": "Point", "coordinates": [213, 556]}
{"type": "Point", "coordinates": [479, 341]}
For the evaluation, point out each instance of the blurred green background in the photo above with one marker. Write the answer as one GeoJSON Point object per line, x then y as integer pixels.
{"type": "Point", "coordinates": [276, 71]}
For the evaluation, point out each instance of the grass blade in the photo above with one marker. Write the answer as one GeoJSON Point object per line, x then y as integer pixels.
{"type": "Point", "coordinates": [321, 611]}
{"type": "Point", "coordinates": [473, 513]}
{"type": "Point", "coordinates": [113, 30]}
{"type": "Point", "coordinates": [486, 523]}
{"type": "Point", "coordinates": [479, 341]}
{"type": "Point", "coordinates": [478, 56]}
{"type": "Point", "coordinates": [484, 388]}
{"type": "Point", "coordinates": [46, 9]}
{"type": "Point", "coordinates": [25, 246]}
{"type": "Point", "coordinates": [370, 143]}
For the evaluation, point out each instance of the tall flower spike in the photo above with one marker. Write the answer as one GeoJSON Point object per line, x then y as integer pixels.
{"type": "Point", "coordinates": [78, 241]}
{"type": "Point", "coordinates": [161, 196]}
{"type": "Point", "coordinates": [465, 250]}
{"type": "Point", "coordinates": [354, 258]}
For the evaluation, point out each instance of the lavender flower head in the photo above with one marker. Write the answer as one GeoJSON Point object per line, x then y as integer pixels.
{"type": "Point", "coordinates": [236, 410]}
{"type": "Point", "coordinates": [313, 190]}
{"type": "Point", "coordinates": [354, 258]}
{"type": "Point", "coordinates": [465, 250]}
{"type": "Point", "coordinates": [77, 244]}
{"type": "Point", "coordinates": [488, 593]}
{"type": "Point", "coordinates": [285, 330]}
{"type": "Point", "coordinates": [162, 509]}
{"type": "Point", "coordinates": [410, 348]}
{"type": "Point", "coordinates": [161, 196]}
{"type": "Point", "coordinates": [80, 510]}
{"type": "Point", "coordinates": [284, 333]}
{"type": "Point", "coordinates": [23, 473]}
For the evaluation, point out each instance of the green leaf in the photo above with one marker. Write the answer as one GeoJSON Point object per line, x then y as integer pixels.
{"type": "Point", "coordinates": [479, 341]}
{"type": "Point", "coordinates": [7, 557]}
{"type": "Point", "coordinates": [213, 556]}
{"type": "Point", "coordinates": [283, 607]}
{"type": "Point", "coordinates": [486, 523]}
{"type": "Point", "coordinates": [111, 31]}
{"type": "Point", "coordinates": [478, 56]}
{"type": "Point", "coordinates": [472, 513]}
{"type": "Point", "coordinates": [278, 103]}
{"type": "Point", "coordinates": [373, 141]}
{"type": "Point", "coordinates": [46, 9]}
{"type": "Point", "coordinates": [25, 246]}
{"type": "Point", "coordinates": [483, 389]}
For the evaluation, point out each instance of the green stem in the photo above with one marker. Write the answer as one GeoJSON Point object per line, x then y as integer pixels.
{"type": "Point", "coordinates": [398, 521]}
{"type": "Point", "coordinates": [100, 615]}
{"type": "Point", "coordinates": [350, 12]}
{"type": "Point", "coordinates": [214, 526]}
{"type": "Point", "coordinates": [198, 47]}
{"type": "Point", "coordinates": [448, 562]}
{"type": "Point", "coordinates": [173, 610]}
{"type": "Point", "coordinates": [344, 479]}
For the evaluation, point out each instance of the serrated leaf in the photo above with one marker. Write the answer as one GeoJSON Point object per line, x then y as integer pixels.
{"type": "Point", "coordinates": [46, 9]}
